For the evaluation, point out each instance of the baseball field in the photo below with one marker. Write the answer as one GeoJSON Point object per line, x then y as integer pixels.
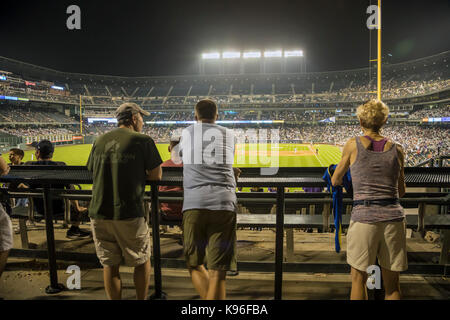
{"type": "Point", "coordinates": [248, 155]}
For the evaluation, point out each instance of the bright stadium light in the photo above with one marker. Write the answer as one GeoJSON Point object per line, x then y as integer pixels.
{"type": "Point", "coordinates": [231, 55]}
{"type": "Point", "coordinates": [293, 53]}
{"type": "Point", "coordinates": [252, 54]}
{"type": "Point", "coordinates": [211, 55]}
{"type": "Point", "coordinates": [272, 54]}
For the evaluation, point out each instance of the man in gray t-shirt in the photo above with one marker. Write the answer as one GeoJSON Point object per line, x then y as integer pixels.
{"type": "Point", "coordinates": [209, 206]}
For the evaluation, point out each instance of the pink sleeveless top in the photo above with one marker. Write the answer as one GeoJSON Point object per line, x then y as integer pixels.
{"type": "Point", "coordinates": [375, 176]}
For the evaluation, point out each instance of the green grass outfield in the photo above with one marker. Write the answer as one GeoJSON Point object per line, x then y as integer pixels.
{"type": "Point", "coordinates": [248, 155]}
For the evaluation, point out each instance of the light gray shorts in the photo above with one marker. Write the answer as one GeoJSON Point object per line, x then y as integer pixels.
{"type": "Point", "coordinates": [6, 231]}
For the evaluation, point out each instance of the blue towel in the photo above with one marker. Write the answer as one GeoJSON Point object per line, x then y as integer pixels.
{"type": "Point", "coordinates": [337, 193]}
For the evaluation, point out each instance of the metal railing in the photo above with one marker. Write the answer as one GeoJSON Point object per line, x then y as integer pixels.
{"type": "Point", "coordinates": [287, 177]}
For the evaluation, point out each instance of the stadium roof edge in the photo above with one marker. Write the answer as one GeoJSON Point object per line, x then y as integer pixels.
{"type": "Point", "coordinates": [63, 74]}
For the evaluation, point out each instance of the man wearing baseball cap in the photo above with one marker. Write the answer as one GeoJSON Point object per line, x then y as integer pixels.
{"type": "Point", "coordinates": [121, 160]}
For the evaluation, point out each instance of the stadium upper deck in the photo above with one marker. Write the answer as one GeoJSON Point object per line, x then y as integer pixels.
{"type": "Point", "coordinates": [406, 80]}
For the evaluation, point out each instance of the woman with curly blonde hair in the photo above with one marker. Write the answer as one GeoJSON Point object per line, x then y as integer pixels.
{"type": "Point", "coordinates": [377, 227]}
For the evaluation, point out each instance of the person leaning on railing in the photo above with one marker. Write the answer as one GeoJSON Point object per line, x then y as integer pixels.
{"type": "Point", "coordinates": [121, 161]}
{"type": "Point", "coordinates": [377, 227]}
{"type": "Point", "coordinates": [210, 203]}
{"type": "Point", "coordinates": [6, 230]}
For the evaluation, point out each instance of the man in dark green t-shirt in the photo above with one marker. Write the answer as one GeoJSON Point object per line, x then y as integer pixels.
{"type": "Point", "coordinates": [121, 161]}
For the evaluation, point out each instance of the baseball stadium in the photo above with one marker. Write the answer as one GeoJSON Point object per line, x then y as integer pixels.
{"type": "Point", "coordinates": [291, 234]}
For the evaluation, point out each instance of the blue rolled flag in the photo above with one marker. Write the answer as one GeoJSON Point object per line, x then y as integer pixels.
{"type": "Point", "coordinates": [338, 207]}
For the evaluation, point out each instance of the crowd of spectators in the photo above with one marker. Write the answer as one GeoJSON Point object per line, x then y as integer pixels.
{"type": "Point", "coordinates": [419, 142]}
{"type": "Point", "coordinates": [22, 114]}
{"type": "Point", "coordinates": [350, 92]}
{"type": "Point", "coordinates": [287, 115]}
{"type": "Point", "coordinates": [37, 131]}
{"type": "Point", "coordinates": [431, 113]}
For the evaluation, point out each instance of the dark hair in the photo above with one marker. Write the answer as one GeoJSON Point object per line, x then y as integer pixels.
{"type": "Point", "coordinates": [46, 149]}
{"type": "Point", "coordinates": [125, 122]}
{"type": "Point", "coordinates": [206, 109]}
{"type": "Point", "coordinates": [174, 143]}
{"type": "Point", "coordinates": [44, 154]}
{"type": "Point", "coordinates": [18, 152]}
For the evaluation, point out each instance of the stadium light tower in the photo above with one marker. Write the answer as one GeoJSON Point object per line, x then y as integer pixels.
{"type": "Point", "coordinates": [278, 60]}
{"type": "Point", "coordinates": [231, 61]}
{"type": "Point", "coordinates": [250, 58]}
{"type": "Point", "coordinates": [208, 56]}
{"type": "Point", "coordinates": [294, 59]}
{"type": "Point", "coordinates": [273, 57]}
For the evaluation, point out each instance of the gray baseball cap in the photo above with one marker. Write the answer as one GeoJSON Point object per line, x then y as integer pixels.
{"type": "Point", "coordinates": [126, 110]}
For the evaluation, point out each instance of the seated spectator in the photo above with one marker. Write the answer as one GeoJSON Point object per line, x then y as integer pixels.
{"type": "Point", "coordinates": [44, 155]}
{"type": "Point", "coordinates": [15, 156]}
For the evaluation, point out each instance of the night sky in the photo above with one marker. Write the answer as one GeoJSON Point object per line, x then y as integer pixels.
{"type": "Point", "coordinates": [145, 38]}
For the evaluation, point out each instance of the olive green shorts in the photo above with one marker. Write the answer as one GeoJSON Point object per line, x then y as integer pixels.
{"type": "Point", "coordinates": [210, 237]}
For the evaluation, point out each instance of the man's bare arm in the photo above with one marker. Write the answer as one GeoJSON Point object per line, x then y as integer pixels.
{"type": "Point", "coordinates": [77, 206]}
{"type": "Point", "coordinates": [4, 168]}
{"type": "Point", "coordinates": [155, 174]}
{"type": "Point", "coordinates": [237, 173]}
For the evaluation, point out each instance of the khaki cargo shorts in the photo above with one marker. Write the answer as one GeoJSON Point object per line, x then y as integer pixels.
{"type": "Point", "coordinates": [210, 237]}
{"type": "Point", "coordinates": [6, 231]}
{"type": "Point", "coordinates": [383, 240]}
{"type": "Point", "coordinates": [118, 241]}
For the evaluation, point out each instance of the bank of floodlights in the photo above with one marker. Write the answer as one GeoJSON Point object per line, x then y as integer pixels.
{"type": "Point", "coordinates": [252, 54]}
{"type": "Point", "coordinates": [268, 60]}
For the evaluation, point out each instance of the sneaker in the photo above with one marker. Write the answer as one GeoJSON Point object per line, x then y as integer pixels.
{"type": "Point", "coordinates": [232, 273]}
{"type": "Point", "coordinates": [77, 233]}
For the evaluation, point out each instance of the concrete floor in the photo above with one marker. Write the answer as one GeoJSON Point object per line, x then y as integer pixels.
{"type": "Point", "coordinates": [27, 278]}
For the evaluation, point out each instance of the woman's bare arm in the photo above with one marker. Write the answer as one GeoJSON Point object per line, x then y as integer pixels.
{"type": "Point", "coordinates": [344, 164]}
{"type": "Point", "coordinates": [401, 177]}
